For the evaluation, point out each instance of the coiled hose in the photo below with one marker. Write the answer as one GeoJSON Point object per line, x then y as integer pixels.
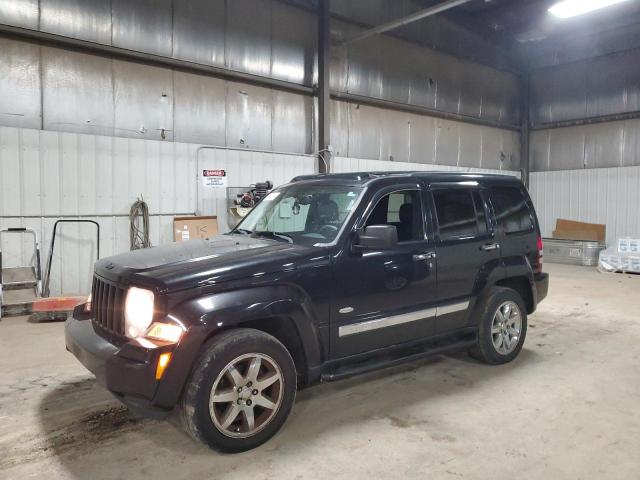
{"type": "Point", "coordinates": [139, 235]}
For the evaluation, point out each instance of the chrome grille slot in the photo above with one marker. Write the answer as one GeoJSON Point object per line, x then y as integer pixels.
{"type": "Point", "coordinates": [107, 305]}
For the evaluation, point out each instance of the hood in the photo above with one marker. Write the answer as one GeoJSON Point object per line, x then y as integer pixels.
{"type": "Point", "coordinates": [201, 262]}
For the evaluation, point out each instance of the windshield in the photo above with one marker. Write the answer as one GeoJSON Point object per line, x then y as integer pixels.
{"type": "Point", "coordinates": [302, 214]}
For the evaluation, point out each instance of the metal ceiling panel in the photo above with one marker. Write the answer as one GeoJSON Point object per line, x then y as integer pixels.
{"type": "Point", "coordinates": [249, 112]}
{"type": "Point", "coordinates": [77, 92]}
{"type": "Point", "coordinates": [198, 31]}
{"type": "Point", "coordinates": [291, 125]}
{"type": "Point", "coordinates": [19, 84]}
{"type": "Point", "coordinates": [143, 25]}
{"type": "Point", "coordinates": [200, 109]}
{"type": "Point", "coordinates": [85, 19]}
{"type": "Point", "coordinates": [248, 38]}
{"type": "Point", "coordinates": [294, 34]}
{"type": "Point", "coordinates": [19, 13]}
{"type": "Point", "coordinates": [143, 98]}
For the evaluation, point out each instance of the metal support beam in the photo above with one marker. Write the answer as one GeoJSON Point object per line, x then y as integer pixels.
{"type": "Point", "coordinates": [431, 112]}
{"type": "Point", "coordinates": [427, 12]}
{"type": "Point", "coordinates": [107, 50]}
{"type": "Point", "coordinates": [324, 87]}
{"type": "Point", "coordinates": [524, 126]}
{"type": "Point", "coordinates": [577, 122]}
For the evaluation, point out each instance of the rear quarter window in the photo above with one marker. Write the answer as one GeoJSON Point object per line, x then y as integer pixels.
{"type": "Point", "coordinates": [511, 209]}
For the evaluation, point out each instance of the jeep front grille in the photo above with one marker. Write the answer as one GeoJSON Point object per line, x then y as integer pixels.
{"type": "Point", "coordinates": [107, 305]}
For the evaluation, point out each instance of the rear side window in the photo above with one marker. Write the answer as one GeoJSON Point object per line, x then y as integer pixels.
{"type": "Point", "coordinates": [456, 213]}
{"type": "Point", "coordinates": [480, 213]}
{"type": "Point", "coordinates": [512, 211]}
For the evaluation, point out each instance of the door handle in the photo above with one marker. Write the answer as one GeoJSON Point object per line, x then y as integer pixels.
{"type": "Point", "coordinates": [490, 246]}
{"type": "Point", "coordinates": [419, 257]}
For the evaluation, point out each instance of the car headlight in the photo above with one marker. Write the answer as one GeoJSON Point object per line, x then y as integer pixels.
{"type": "Point", "coordinates": [165, 332]}
{"type": "Point", "coordinates": [138, 311]}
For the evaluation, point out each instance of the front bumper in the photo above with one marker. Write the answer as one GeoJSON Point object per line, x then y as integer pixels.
{"type": "Point", "coordinates": [541, 281]}
{"type": "Point", "coordinates": [127, 370]}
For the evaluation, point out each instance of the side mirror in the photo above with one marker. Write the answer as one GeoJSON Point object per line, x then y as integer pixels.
{"type": "Point", "coordinates": [377, 237]}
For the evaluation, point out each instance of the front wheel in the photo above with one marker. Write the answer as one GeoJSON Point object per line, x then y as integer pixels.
{"type": "Point", "coordinates": [241, 391]}
{"type": "Point", "coordinates": [502, 326]}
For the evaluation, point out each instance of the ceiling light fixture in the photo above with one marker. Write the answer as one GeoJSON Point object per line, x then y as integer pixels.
{"type": "Point", "coordinates": [572, 8]}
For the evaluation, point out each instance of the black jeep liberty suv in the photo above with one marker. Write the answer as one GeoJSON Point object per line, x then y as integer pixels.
{"type": "Point", "coordinates": [327, 277]}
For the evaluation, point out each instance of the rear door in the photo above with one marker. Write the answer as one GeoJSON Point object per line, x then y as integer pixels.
{"type": "Point", "coordinates": [466, 248]}
{"type": "Point", "coordinates": [516, 224]}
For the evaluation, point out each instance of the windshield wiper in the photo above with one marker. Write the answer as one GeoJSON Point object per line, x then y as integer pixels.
{"type": "Point", "coordinates": [274, 235]}
{"type": "Point", "coordinates": [243, 231]}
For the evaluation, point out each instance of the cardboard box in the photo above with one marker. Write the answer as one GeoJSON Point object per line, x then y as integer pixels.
{"type": "Point", "coordinates": [570, 230]}
{"type": "Point", "coordinates": [188, 228]}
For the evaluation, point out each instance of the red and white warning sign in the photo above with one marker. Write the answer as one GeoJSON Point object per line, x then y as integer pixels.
{"type": "Point", "coordinates": [214, 178]}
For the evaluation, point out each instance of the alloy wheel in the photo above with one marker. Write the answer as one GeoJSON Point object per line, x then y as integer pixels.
{"type": "Point", "coordinates": [246, 395]}
{"type": "Point", "coordinates": [506, 327]}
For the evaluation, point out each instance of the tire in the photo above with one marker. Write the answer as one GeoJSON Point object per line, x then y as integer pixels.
{"type": "Point", "coordinates": [490, 348]}
{"type": "Point", "coordinates": [227, 364]}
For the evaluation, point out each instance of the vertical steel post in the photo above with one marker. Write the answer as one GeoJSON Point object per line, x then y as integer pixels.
{"type": "Point", "coordinates": [324, 87]}
{"type": "Point", "coordinates": [524, 125]}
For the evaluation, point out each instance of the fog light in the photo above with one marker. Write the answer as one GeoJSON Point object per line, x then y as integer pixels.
{"type": "Point", "coordinates": [163, 362]}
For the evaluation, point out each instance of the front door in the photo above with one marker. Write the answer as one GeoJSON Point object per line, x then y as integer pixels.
{"type": "Point", "coordinates": [467, 251]}
{"type": "Point", "coordinates": [386, 297]}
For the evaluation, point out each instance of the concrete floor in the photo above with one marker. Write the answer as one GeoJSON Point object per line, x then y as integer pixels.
{"type": "Point", "coordinates": [566, 408]}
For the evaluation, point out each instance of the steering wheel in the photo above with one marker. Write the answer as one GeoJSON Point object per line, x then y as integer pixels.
{"type": "Point", "coordinates": [328, 230]}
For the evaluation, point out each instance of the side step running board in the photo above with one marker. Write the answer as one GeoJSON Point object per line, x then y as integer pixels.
{"type": "Point", "coordinates": [398, 358]}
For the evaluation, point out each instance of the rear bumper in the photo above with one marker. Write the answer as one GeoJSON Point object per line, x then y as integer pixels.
{"type": "Point", "coordinates": [541, 282]}
{"type": "Point", "coordinates": [128, 371]}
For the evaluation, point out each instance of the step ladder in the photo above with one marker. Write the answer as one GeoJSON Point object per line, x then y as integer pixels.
{"type": "Point", "coordinates": [20, 286]}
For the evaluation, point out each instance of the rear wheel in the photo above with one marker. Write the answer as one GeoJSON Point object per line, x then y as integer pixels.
{"type": "Point", "coordinates": [240, 392]}
{"type": "Point", "coordinates": [502, 326]}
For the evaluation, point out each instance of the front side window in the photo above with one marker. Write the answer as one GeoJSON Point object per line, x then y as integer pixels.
{"type": "Point", "coordinates": [511, 209]}
{"type": "Point", "coordinates": [456, 213]}
{"type": "Point", "coordinates": [299, 213]}
{"type": "Point", "coordinates": [402, 210]}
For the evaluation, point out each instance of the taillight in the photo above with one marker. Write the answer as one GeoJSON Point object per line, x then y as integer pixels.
{"type": "Point", "coordinates": [540, 255]}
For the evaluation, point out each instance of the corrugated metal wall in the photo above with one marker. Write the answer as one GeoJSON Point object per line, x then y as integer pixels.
{"type": "Point", "coordinates": [611, 144]}
{"type": "Point", "coordinates": [586, 89]}
{"type": "Point", "coordinates": [375, 133]}
{"type": "Point", "coordinates": [605, 195]}
{"type": "Point", "coordinates": [61, 90]}
{"type": "Point", "coordinates": [346, 164]}
{"type": "Point", "coordinates": [591, 172]}
{"type": "Point", "coordinates": [48, 175]}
